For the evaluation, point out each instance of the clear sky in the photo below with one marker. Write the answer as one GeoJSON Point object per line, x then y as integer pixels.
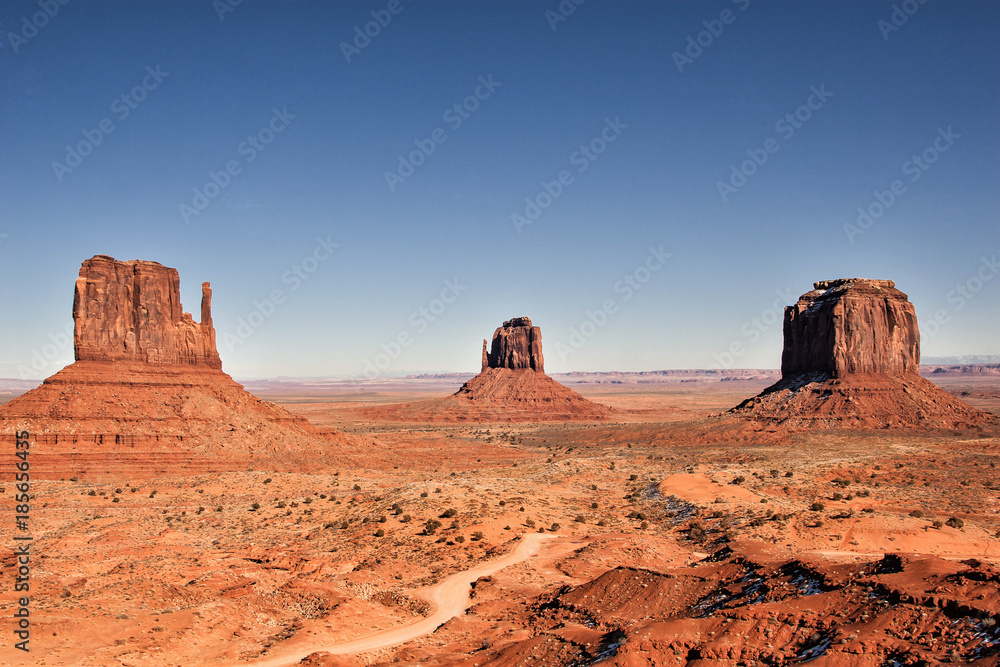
{"type": "Point", "coordinates": [650, 182]}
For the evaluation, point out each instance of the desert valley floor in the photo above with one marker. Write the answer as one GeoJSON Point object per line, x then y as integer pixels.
{"type": "Point", "coordinates": [649, 537]}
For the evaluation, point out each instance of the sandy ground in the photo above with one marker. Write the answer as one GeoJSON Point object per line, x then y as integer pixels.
{"type": "Point", "coordinates": [260, 567]}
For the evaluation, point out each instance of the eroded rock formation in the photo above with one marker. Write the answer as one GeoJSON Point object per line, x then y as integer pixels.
{"type": "Point", "coordinates": [516, 344]}
{"type": "Point", "coordinates": [147, 394]}
{"type": "Point", "coordinates": [512, 386]}
{"type": "Point", "coordinates": [850, 326]}
{"type": "Point", "coordinates": [131, 311]}
{"type": "Point", "coordinates": [851, 358]}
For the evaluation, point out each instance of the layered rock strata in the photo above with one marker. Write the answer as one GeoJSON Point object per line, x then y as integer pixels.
{"type": "Point", "coordinates": [851, 358]}
{"type": "Point", "coordinates": [147, 395]}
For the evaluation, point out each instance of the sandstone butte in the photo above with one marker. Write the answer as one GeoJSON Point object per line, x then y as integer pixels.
{"type": "Point", "coordinates": [512, 386]}
{"type": "Point", "coordinates": [851, 358]}
{"type": "Point", "coordinates": [147, 393]}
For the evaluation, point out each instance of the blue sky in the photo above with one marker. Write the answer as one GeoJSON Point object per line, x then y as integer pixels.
{"type": "Point", "coordinates": [650, 182]}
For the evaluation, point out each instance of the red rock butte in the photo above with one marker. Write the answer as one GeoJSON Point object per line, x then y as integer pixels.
{"type": "Point", "coordinates": [147, 395]}
{"type": "Point", "coordinates": [512, 386]}
{"type": "Point", "coordinates": [851, 358]}
{"type": "Point", "coordinates": [131, 311]}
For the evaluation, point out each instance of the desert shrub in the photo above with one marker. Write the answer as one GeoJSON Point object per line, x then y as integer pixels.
{"type": "Point", "coordinates": [255, 507]}
{"type": "Point", "coordinates": [437, 490]}
{"type": "Point", "coordinates": [593, 506]}
{"type": "Point", "coordinates": [555, 527]}
{"type": "Point", "coordinates": [118, 490]}
{"type": "Point", "coordinates": [460, 538]}
{"type": "Point", "coordinates": [94, 493]}
{"type": "Point", "coordinates": [476, 536]}
{"type": "Point", "coordinates": [954, 522]}
{"type": "Point", "coordinates": [219, 508]}
{"type": "Point", "coordinates": [405, 518]}
{"type": "Point", "coordinates": [448, 513]}
{"type": "Point", "coordinates": [308, 500]}
{"type": "Point", "coordinates": [454, 524]}
{"type": "Point", "coordinates": [757, 521]}
{"type": "Point", "coordinates": [379, 533]}
{"type": "Point", "coordinates": [602, 522]}
{"type": "Point", "coordinates": [423, 494]}
{"type": "Point", "coordinates": [916, 514]}
{"type": "Point", "coordinates": [837, 496]}
{"type": "Point", "coordinates": [281, 504]}
{"type": "Point", "coordinates": [817, 507]}
{"type": "Point", "coordinates": [775, 473]}
{"type": "Point", "coordinates": [344, 525]}
{"type": "Point", "coordinates": [644, 525]}
{"type": "Point", "coordinates": [593, 487]}
{"type": "Point", "coordinates": [696, 532]}
{"type": "Point", "coordinates": [530, 523]}
{"type": "Point", "coordinates": [115, 499]}
{"type": "Point", "coordinates": [789, 473]}
{"type": "Point", "coordinates": [502, 503]}
{"type": "Point", "coordinates": [763, 501]}
{"type": "Point", "coordinates": [633, 477]}
{"type": "Point", "coordinates": [739, 479]}
{"type": "Point", "coordinates": [580, 519]}
{"type": "Point", "coordinates": [938, 524]}
{"type": "Point", "coordinates": [267, 481]}
{"type": "Point", "coordinates": [200, 510]}
{"type": "Point", "coordinates": [357, 487]}
{"type": "Point", "coordinates": [541, 530]}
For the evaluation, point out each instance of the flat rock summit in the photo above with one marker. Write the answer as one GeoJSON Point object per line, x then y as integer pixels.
{"type": "Point", "coordinates": [147, 393]}
{"type": "Point", "coordinates": [851, 358]}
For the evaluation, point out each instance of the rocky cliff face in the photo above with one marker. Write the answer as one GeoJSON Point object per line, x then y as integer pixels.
{"type": "Point", "coordinates": [131, 311]}
{"type": "Point", "coordinates": [851, 326]}
{"type": "Point", "coordinates": [515, 345]}
{"type": "Point", "coordinates": [851, 359]}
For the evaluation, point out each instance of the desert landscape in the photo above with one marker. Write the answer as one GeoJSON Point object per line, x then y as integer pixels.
{"type": "Point", "coordinates": [533, 333]}
{"type": "Point", "coordinates": [637, 518]}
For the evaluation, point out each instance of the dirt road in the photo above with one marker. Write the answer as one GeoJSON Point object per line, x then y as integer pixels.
{"type": "Point", "coordinates": [450, 598]}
